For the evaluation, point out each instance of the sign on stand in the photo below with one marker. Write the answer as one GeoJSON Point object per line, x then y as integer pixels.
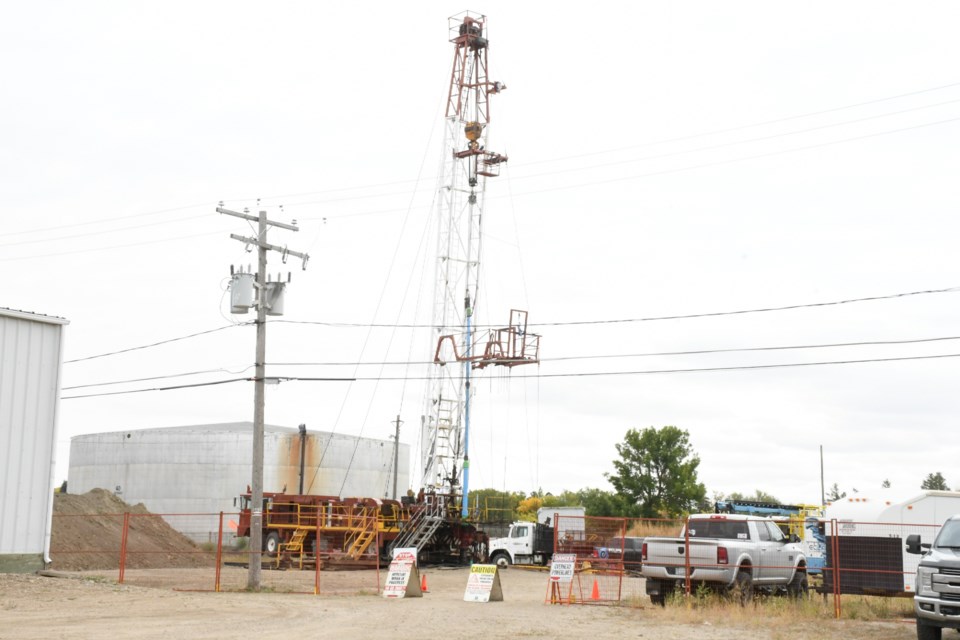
{"type": "Point", "coordinates": [483, 585]}
{"type": "Point", "coordinates": [562, 570]}
{"type": "Point", "coordinates": [403, 577]}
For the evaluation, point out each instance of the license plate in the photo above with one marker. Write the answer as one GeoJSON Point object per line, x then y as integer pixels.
{"type": "Point", "coordinates": [681, 571]}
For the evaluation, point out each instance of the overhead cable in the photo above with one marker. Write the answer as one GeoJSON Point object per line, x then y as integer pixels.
{"type": "Point", "coordinates": [638, 355]}
{"type": "Point", "coordinates": [648, 319]}
{"type": "Point", "coordinates": [541, 376]}
{"type": "Point", "coordinates": [157, 344]}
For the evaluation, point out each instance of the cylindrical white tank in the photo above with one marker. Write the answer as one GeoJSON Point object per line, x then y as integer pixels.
{"type": "Point", "coordinates": [200, 469]}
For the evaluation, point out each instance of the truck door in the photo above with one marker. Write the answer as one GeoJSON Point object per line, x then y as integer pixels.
{"type": "Point", "coordinates": [775, 564]}
{"type": "Point", "coordinates": [520, 540]}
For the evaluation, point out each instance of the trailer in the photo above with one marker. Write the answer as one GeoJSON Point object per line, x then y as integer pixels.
{"type": "Point", "coordinates": [866, 536]}
{"type": "Point", "coordinates": [360, 532]}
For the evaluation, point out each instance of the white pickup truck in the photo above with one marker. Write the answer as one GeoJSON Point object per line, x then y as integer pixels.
{"type": "Point", "coordinates": [937, 599]}
{"type": "Point", "coordinates": [736, 553]}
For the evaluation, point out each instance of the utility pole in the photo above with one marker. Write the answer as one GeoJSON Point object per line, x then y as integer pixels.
{"type": "Point", "coordinates": [823, 491]}
{"type": "Point", "coordinates": [262, 304]}
{"type": "Point", "coordinates": [396, 456]}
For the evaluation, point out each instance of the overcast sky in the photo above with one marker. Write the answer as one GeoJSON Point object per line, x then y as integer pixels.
{"type": "Point", "coordinates": [666, 159]}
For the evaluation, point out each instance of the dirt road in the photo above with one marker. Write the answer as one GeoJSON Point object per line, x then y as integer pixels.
{"type": "Point", "coordinates": [92, 605]}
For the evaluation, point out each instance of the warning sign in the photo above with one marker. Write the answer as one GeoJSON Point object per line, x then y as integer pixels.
{"type": "Point", "coordinates": [403, 578]}
{"type": "Point", "coordinates": [560, 584]}
{"type": "Point", "coordinates": [561, 568]}
{"type": "Point", "coordinates": [483, 584]}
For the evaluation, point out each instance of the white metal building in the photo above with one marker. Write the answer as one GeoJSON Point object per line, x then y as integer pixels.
{"type": "Point", "coordinates": [31, 352]}
{"type": "Point", "coordinates": [201, 469]}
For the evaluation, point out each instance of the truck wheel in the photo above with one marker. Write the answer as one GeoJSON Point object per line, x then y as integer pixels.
{"type": "Point", "coordinates": [743, 587]}
{"type": "Point", "coordinates": [271, 544]}
{"type": "Point", "coordinates": [658, 599]}
{"type": "Point", "coordinates": [798, 587]}
{"type": "Point", "coordinates": [926, 632]}
{"type": "Point", "coordinates": [502, 560]}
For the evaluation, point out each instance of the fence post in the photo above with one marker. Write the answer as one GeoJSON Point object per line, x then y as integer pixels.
{"type": "Point", "coordinates": [316, 553]}
{"type": "Point", "coordinates": [686, 555]}
{"type": "Point", "coordinates": [835, 544]}
{"type": "Point", "coordinates": [378, 559]}
{"type": "Point", "coordinates": [216, 585]}
{"type": "Point", "coordinates": [123, 545]}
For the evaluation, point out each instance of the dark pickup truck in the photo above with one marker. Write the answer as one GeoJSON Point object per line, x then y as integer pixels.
{"type": "Point", "coordinates": [627, 550]}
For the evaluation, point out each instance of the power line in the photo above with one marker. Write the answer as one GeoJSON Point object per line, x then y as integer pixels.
{"type": "Point", "coordinates": [694, 136]}
{"type": "Point", "coordinates": [627, 148]}
{"type": "Point", "coordinates": [642, 355]}
{"type": "Point", "coordinates": [709, 314]}
{"type": "Point", "coordinates": [60, 227]}
{"type": "Point", "coordinates": [542, 360]}
{"type": "Point", "coordinates": [157, 344]}
{"type": "Point", "coordinates": [759, 310]}
{"type": "Point", "coordinates": [750, 126]}
{"type": "Point", "coordinates": [171, 388]}
{"type": "Point", "coordinates": [97, 233]}
{"type": "Point", "coordinates": [739, 367]}
{"type": "Point", "coordinates": [558, 188]}
{"type": "Point", "coordinates": [110, 247]}
{"type": "Point", "coordinates": [549, 324]}
{"type": "Point", "coordinates": [716, 163]}
{"type": "Point", "coordinates": [785, 365]}
{"type": "Point", "coordinates": [147, 379]}
{"type": "Point", "coordinates": [732, 143]}
{"type": "Point", "coordinates": [540, 376]}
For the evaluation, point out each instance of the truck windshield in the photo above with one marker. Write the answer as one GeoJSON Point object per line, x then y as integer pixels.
{"type": "Point", "coordinates": [725, 529]}
{"type": "Point", "coordinates": [949, 535]}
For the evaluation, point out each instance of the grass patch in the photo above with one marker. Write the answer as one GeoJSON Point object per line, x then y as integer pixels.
{"type": "Point", "coordinates": [705, 605]}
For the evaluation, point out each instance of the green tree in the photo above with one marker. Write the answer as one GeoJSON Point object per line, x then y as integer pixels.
{"type": "Point", "coordinates": [935, 481]}
{"type": "Point", "coordinates": [758, 496]}
{"type": "Point", "coordinates": [600, 503]}
{"type": "Point", "coordinates": [657, 472]}
{"type": "Point", "coordinates": [835, 494]}
{"type": "Point", "coordinates": [493, 505]}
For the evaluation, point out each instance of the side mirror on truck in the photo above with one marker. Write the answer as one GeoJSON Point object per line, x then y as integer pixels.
{"type": "Point", "coordinates": [914, 545]}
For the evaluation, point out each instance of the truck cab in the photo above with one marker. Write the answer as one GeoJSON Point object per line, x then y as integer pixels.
{"type": "Point", "coordinates": [526, 543]}
{"type": "Point", "coordinates": [936, 600]}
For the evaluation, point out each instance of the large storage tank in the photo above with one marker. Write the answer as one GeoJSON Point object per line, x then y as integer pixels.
{"type": "Point", "coordinates": [200, 469]}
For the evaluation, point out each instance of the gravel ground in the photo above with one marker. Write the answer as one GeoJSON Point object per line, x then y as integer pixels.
{"type": "Point", "coordinates": [155, 604]}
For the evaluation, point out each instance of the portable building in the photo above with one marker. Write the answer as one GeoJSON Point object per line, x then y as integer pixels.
{"type": "Point", "coordinates": [31, 348]}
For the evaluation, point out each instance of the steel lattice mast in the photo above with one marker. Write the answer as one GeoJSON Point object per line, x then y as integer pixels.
{"type": "Point", "coordinates": [466, 165]}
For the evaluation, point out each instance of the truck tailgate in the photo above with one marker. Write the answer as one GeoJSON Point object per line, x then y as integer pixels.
{"type": "Point", "coordinates": [672, 552]}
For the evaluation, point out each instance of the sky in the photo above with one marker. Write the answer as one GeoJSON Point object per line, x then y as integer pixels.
{"type": "Point", "coordinates": [669, 163]}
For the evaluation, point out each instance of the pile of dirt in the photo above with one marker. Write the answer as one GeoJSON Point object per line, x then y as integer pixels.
{"type": "Point", "coordinates": [87, 534]}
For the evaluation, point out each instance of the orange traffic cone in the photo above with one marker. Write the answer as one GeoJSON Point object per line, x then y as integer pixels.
{"type": "Point", "coordinates": [423, 583]}
{"type": "Point", "coordinates": [595, 595]}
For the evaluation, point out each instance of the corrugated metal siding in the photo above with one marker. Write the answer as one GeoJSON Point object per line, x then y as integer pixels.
{"type": "Point", "coordinates": [29, 374]}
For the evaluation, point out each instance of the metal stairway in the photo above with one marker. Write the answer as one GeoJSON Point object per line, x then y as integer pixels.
{"type": "Point", "coordinates": [360, 542]}
{"type": "Point", "coordinates": [419, 530]}
{"type": "Point", "coordinates": [294, 546]}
